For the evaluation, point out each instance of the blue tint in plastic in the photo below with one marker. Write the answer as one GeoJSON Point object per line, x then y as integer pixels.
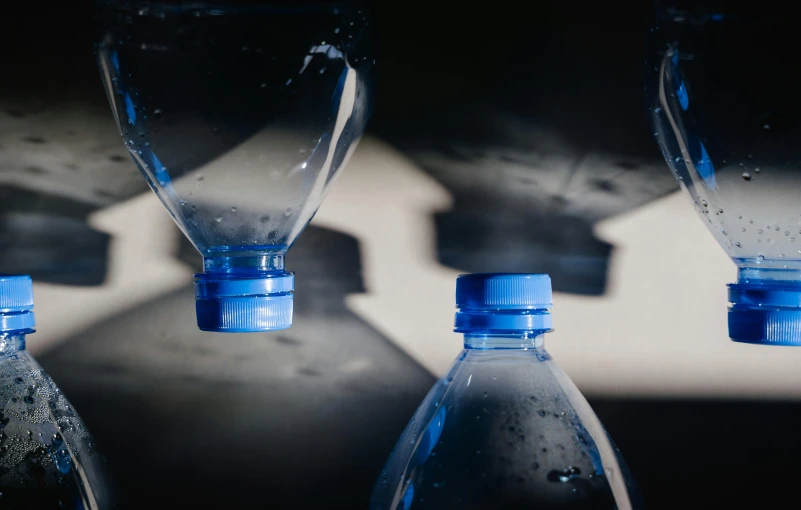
{"type": "Point", "coordinates": [724, 105]}
{"type": "Point", "coordinates": [764, 311]}
{"type": "Point", "coordinates": [505, 427]}
{"type": "Point", "coordinates": [266, 103]}
{"type": "Point", "coordinates": [49, 459]}
{"type": "Point", "coordinates": [16, 304]}
{"type": "Point", "coordinates": [503, 302]}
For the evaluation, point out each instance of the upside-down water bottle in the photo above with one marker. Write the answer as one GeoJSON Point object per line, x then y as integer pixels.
{"type": "Point", "coordinates": [47, 457]}
{"type": "Point", "coordinates": [239, 115]}
{"type": "Point", "coordinates": [723, 95]}
{"type": "Point", "coordinates": [505, 428]}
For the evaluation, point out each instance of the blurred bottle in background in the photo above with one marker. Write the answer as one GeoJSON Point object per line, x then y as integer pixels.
{"type": "Point", "coordinates": [47, 457]}
{"type": "Point", "coordinates": [239, 115]}
{"type": "Point", "coordinates": [505, 428]}
{"type": "Point", "coordinates": [723, 95]}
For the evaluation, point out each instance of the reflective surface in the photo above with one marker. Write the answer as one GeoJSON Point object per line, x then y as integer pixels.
{"type": "Point", "coordinates": [505, 428]}
{"type": "Point", "coordinates": [240, 114]}
{"type": "Point", "coordinates": [723, 93]}
{"type": "Point", "coordinates": [47, 457]}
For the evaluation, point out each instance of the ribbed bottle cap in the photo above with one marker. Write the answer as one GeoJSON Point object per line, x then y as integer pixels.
{"type": "Point", "coordinates": [228, 304]}
{"type": "Point", "coordinates": [16, 303]}
{"type": "Point", "coordinates": [504, 291]}
{"type": "Point", "coordinates": [765, 312]}
{"type": "Point", "coordinates": [503, 301]}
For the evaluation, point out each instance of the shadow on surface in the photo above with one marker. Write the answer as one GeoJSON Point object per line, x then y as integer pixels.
{"type": "Point", "coordinates": [200, 420]}
{"type": "Point", "coordinates": [704, 453]}
{"type": "Point", "coordinates": [534, 121]}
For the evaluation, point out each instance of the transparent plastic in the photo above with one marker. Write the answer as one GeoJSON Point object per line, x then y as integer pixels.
{"type": "Point", "coordinates": [505, 428]}
{"type": "Point", "coordinates": [724, 104]}
{"type": "Point", "coordinates": [47, 457]}
{"type": "Point", "coordinates": [239, 115]}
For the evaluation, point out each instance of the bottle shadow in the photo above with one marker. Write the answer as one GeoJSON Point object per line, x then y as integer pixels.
{"type": "Point", "coordinates": [203, 420]}
{"type": "Point", "coordinates": [537, 134]}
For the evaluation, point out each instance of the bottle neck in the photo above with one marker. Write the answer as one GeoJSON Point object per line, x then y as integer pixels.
{"type": "Point", "coordinates": [768, 270]}
{"type": "Point", "coordinates": [244, 263]}
{"type": "Point", "coordinates": [11, 343]}
{"type": "Point", "coordinates": [513, 340]}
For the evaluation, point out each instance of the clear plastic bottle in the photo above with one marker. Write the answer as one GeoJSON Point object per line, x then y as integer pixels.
{"type": "Point", "coordinates": [505, 428]}
{"type": "Point", "coordinates": [724, 104]}
{"type": "Point", "coordinates": [47, 457]}
{"type": "Point", "coordinates": [239, 115]}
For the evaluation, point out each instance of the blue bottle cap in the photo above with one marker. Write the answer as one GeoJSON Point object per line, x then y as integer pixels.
{"type": "Point", "coordinates": [765, 312]}
{"type": "Point", "coordinates": [503, 302]}
{"type": "Point", "coordinates": [237, 304]}
{"type": "Point", "coordinates": [16, 304]}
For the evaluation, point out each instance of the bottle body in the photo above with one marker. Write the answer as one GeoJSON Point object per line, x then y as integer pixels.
{"type": "Point", "coordinates": [725, 111]}
{"type": "Point", "coordinates": [505, 428]}
{"type": "Point", "coordinates": [723, 102]}
{"type": "Point", "coordinates": [47, 457]}
{"type": "Point", "coordinates": [239, 115]}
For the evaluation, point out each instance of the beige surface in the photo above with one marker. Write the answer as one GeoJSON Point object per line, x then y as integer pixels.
{"type": "Point", "coordinates": [659, 330]}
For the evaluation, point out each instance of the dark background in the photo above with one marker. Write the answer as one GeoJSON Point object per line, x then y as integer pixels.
{"type": "Point", "coordinates": [187, 422]}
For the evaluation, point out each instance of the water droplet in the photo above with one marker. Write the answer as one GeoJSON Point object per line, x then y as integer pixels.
{"type": "Point", "coordinates": [759, 231]}
{"type": "Point", "coordinates": [543, 412]}
{"type": "Point", "coordinates": [233, 209]}
{"type": "Point", "coordinates": [263, 85]}
{"type": "Point", "coordinates": [287, 212]}
{"type": "Point", "coordinates": [724, 232]}
{"type": "Point", "coordinates": [742, 229]}
{"type": "Point", "coordinates": [157, 113]}
{"type": "Point", "coordinates": [746, 176]}
{"type": "Point", "coordinates": [265, 218]}
{"type": "Point", "coordinates": [218, 219]}
{"type": "Point", "coordinates": [737, 244]}
{"type": "Point", "coordinates": [322, 71]}
{"type": "Point", "coordinates": [199, 178]}
{"type": "Point", "coordinates": [288, 82]}
{"type": "Point", "coordinates": [720, 211]}
{"type": "Point", "coordinates": [478, 452]}
{"type": "Point", "coordinates": [750, 221]}
{"type": "Point", "coordinates": [756, 169]}
{"type": "Point", "coordinates": [564, 475]}
{"type": "Point", "coordinates": [766, 126]}
{"type": "Point", "coordinates": [760, 258]}
{"type": "Point", "coordinates": [28, 399]}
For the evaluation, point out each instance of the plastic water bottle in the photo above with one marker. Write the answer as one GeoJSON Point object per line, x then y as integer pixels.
{"type": "Point", "coordinates": [505, 428]}
{"type": "Point", "coordinates": [724, 102]}
{"type": "Point", "coordinates": [239, 115]}
{"type": "Point", "coordinates": [47, 457]}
